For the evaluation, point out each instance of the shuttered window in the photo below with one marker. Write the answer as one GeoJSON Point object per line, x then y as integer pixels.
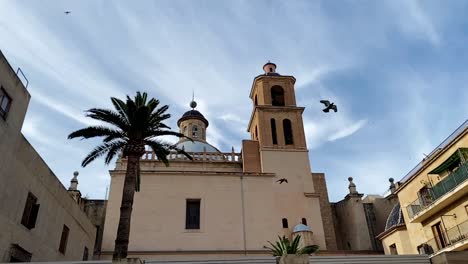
{"type": "Point", "coordinates": [192, 219]}
{"type": "Point", "coordinates": [64, 239]}
{"type": "Point", "coordinates": [31, 209]}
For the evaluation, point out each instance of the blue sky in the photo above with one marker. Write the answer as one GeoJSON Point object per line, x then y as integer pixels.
{"type": "Point", "coordinates": [396, 69]}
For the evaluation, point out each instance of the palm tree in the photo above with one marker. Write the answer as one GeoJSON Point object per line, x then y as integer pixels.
{"type": "Point", "coordinates": [132, 126]}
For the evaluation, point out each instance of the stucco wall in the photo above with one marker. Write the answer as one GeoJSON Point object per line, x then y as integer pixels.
{"type": "Point", "coordinates": [409, 193]}
{"type": "Point", "coordinates": [158, 219]}
{"type": "Point", "coordinates": [400, 238]}
{"type": "Point", "coordinates": [351, 224]}
{"type": "Point", "coordinates": [21, 171]}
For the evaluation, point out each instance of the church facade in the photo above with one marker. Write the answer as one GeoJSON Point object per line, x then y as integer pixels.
{"type": "Point", "coordinates": [227, 202]}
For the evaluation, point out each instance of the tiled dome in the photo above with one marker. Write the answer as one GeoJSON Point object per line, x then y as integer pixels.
{"type": "Point", "coordinates": [395, 217]}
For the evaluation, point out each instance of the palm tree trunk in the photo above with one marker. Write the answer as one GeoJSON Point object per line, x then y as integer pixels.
{"type": "Point", "coordinates": [123, 231]}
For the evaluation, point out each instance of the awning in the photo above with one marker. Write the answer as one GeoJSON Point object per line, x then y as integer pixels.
{"type": "Point", "coordinates": [459, 156]}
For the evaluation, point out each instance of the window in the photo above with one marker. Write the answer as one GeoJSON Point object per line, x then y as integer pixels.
{"type": "Point", "coordinates": [393, 249]}
{"type": "Point", "coordinates": [256, 133]}
{"type": "Point", "coordinates": [5, 102]}
{"type": "Point", "coordinates": [439, 235]}
{"type": "Point", "coordinates": [192, 215]}
{"type": "Point", "coordinates": [271, 69]}
{"type": "Point", "coordinates": [277, 96]}
{"type": "Point", "coordinates": [256, 102]}
{"type": "Point", "coordinates": [287, 130]}
{"type": "Point", "coordinates": [19, 254]}
{"type": "Point", "coordinates": [285, 222]}
{"type": "Point", "coordinates": [85, 254]}
{"type": "Point", "coordinates": [30, 212]}
{"type": "Point", "coordinates": [304, 221]}
{"type": "Point", "coordinates": [64, 239]}
{"type": "Point", "coordinates": [274, 138]}
{"type": "Point", "coordinates": [194, 131]}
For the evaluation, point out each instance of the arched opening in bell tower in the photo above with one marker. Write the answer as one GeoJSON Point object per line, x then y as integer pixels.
{"type": "Point", "coordinates": [274, 138]}
{"type": "Point", "coordinates": [277, 96]}
{"type": "Point", "coordinates": [287, 131]}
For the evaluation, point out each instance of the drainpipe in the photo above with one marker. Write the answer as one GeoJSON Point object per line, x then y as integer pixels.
{"type": "Point", "coordinates": [243, 214]}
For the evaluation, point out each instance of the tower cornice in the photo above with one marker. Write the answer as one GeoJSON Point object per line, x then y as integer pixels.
{"type": "Point", "coordinates": [264, 76]}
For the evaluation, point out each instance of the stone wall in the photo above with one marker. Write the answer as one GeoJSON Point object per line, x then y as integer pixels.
{"type": "Point", "coordinates": [326, 210]}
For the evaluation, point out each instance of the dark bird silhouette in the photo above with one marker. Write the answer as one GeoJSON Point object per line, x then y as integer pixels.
{"type": "Point", "coordinates": [282, 180]}
{"type": "Point", "coordinates": [329, 106]}
{"type": "Point", "coordinates": [67, 12]}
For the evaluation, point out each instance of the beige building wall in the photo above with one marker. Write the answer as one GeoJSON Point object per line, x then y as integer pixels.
{"type": "Point", "coordinates": [21, 171]}
{"type": "Point", "coordinates": [320, 186]}
{"type": "Point", "coordinates": [400, 239]}
{"type": "Point", "coordinates": [230, 203]}
{"type": "Point", "coordinates": [420, 232]}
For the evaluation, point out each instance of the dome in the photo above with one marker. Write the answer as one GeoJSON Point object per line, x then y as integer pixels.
{"type": "Point", "coordinates": [196, 146]}
{"type": "Point", "coordinates": [395, 217]}
{"type": "Point", "coordinates": [193, 114]}
{"type": "Point", "coordinates": [301, 228]}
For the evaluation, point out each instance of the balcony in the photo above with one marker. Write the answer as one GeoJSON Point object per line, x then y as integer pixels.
{"type": "Point", "coordinates": [437, 197]}
{"type": "Point", "coordinates": [454, 239]}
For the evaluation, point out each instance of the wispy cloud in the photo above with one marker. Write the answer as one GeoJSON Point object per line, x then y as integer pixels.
{"type": "Point", "coordinates": [348, 131]}
{"type": "Point", "coordinates": [369, 59]}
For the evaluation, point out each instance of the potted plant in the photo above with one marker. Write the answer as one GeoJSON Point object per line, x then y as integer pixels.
{"type": "Point", "coordinates": [287, 252]}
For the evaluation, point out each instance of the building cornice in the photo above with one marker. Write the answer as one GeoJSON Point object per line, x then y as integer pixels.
{"type": "Point", "coordinates": [390, 231]}
{"type": "Point", "coordinates": [261, 76]}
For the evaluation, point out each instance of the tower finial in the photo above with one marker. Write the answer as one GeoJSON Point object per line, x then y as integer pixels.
{"type": "Point", "coordinates": [193, 104]}
{"type": "Point", "coordinates": [352, 186]}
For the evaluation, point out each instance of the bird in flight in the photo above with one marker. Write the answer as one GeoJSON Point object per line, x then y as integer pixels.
{"type": "Point", "coordinates": [329, 106]}
{"type": "Point", "coordinates": [67, 12]}
{"type": "Point", "coordinates": [282, 180]}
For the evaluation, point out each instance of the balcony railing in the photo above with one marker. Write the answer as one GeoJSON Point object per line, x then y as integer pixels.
{"type": "Point", "coordinates": [458, 233]}
{"type": "Point", "coordinates": [440, 189]}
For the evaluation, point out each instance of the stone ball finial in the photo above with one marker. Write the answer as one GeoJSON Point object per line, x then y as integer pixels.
{"type": "Point", "coordinates": [193, 104]}
{"type": "Point", "coordinates": [75, 173]}
{"type": "Point", "coordinates": [391, 180]}
{"type": "Point", "coordinates": [350, 179]}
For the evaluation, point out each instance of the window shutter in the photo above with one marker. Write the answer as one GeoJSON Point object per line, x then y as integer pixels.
{"type": "Point", "coordinates": [33, 216]}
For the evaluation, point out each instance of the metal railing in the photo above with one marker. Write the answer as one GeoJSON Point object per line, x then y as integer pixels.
{"type": "Point", "coordinates": [451, 236]}
{"type": "Point", "coordinates": [438, 190]}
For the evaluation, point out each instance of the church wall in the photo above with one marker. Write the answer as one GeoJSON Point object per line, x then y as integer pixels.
{"type": "Point", "coordinates": [290, 199]}
{"type": "Point", "coordinates": [352, 225]}
{"type": "Point", "coordinates": [158, 218]}
{"type": "Point", "coordinates": [326, 210]}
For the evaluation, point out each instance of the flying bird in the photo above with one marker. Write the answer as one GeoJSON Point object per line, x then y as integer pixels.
{"type": "Point", "coordinates": [282, 180]}
{"type": "Point", "coordinates": [329, 106]}
{"type": "Point", "coordinates": [67, 12]}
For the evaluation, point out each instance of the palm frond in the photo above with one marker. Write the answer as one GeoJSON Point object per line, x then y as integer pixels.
{"type": "Point", "coordinates": [100, 150]}
{"type": "Point", "coordinates": [121, 108]}
{"type": "Point", "coordinates": [115, 148]}
{"type": "Point", "coordinates": [94, 131]}
{"type": "Point", "coordinates": [108, 116]}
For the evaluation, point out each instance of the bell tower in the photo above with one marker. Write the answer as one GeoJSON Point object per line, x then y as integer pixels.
{"type": "Point", "coordinates": [276, 120]}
